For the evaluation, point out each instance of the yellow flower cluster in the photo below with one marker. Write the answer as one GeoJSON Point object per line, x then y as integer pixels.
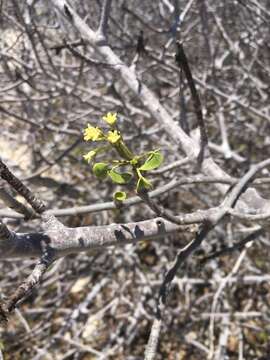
{"type": "Point", "coordinates": [110, 118]}
{"type": "Point", "coordinates": [113, 136]}
{"type": "Point", "coordinates": [93, 133]}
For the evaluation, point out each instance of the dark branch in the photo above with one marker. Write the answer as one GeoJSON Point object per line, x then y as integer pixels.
{"type": "Point", "coordinates": [21, 189]}
{"type": "Point", "coordinates": [182, 62]}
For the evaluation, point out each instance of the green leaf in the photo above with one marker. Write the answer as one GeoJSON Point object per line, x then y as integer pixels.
{"type": "Point", "coordinates": [153, 161]}
{"type": "Point", "coordinates": [100, 170]}
{"type": "Point", "coordinates": [143, 183]}
{"type": "Point", "coordinates": [120, 196]}
{"type": "Point", "coordinates": [120, 178]}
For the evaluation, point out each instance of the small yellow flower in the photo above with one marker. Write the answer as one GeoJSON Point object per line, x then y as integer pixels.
{"type": "Point", "coordinates": [89, 156]}
{"type": "Point", "coordinates": [113, 136]}
{"type": "Point", "coordinates": [110, 118]}
{"type": "Point", "coordinates": [93, 133]}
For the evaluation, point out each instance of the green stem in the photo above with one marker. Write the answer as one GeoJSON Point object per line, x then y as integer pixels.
{"type": "Point", "coordinates": [123, 150]}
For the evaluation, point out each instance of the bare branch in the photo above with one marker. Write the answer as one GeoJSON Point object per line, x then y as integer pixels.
{"type": "Point", "coordinates": [27, 286]}
{"type": "Point", "coordinates": [151, 348]}
{"type": "Point", "coordinates": [15, 205]}
{"type": "Point", "coordinates": [182, 62]}
{"type": "Point", "coordinates": [103, 24]}
{"type": "Point", "coordinates": [21, 189]}
{"type": "Point", "coordinates": [5, 234]}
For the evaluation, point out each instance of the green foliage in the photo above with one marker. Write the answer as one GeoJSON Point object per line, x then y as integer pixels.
{"type": "Point", "coordinates": [120, 178]}
{"type": "Point", "coordinates": [142, 184]}
{"type": "Point", "coordinates": [136, 163]}
{"type": "Point", "coordinates": [100, 170]}
{"type": "Point", "coordinates": [153, 161]}
{"type": "Point", "coordinates": [120, 196]}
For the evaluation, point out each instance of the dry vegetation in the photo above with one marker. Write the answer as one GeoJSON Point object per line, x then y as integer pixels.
{"type": "Point", "coordinates": [100, 304]}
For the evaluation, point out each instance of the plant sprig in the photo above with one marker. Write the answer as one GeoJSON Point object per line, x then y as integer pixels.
{"type": "Point", "coordinates": [139, 164]}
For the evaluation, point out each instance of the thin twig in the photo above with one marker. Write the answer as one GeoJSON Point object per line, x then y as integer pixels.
{"type": "Point", "coordinates": [231, 249]}
{"type": "Point", "coordinates": [217, 295]}
{"type": "Point", "coordinates": [181, 256]}
{"type": "Point", "coordinates": [5, 233]}
{"type": "Point", "coordinates": [103, 24]}
{"type": "Point", "coordinates": [27, 286]}
{"type": "Point", "coordinates": [151, 348]}
{"type": "Point", "coordinates": [182, 62]}
{"type": "Point", "coordinates": [16, 205]}
{"type": "Point", "coordinates": [21, 189]}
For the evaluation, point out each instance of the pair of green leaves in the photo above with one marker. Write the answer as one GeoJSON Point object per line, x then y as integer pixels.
{"type": "Point", "coordinates": [102, 170]}
{"type": "Point", "coordinates": [153, 161]}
